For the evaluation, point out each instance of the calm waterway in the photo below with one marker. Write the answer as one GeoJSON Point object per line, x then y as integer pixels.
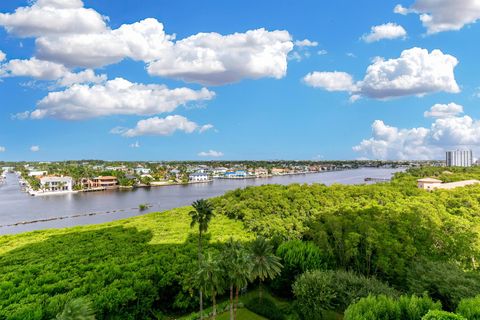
{"type": "Point", "coordinates": [17, 206]}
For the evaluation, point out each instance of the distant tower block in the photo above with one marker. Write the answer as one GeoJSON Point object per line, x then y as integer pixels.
{"type": "Point", "coordinates": [459, 158]}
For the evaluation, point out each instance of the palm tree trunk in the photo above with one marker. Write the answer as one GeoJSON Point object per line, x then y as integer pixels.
{"type": "Point", "coordinates": [236, 304]}
{"type": "Point", "coordinates": [260, 291]}
{"type": "Point", "coordinates": [231, 301]}
{"type": "Point", "coordinates": [201, 304]}
{"type": "Point", "coordinates": [214, 300]}
{"type": "Point", "coordinates": [199, 258]}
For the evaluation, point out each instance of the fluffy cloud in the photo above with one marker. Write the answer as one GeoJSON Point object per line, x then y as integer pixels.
{"type": "Point", "coordinates": [161, 127]}
{"type": "Point", "coordinates": [142, 41]}
{"type": "Point", "coordinates": [46, 70]}
{"type": "Point", "coordinates": [444, 110]}
{"type": "Point", "coordinates": [415, 72]}
{"type": "Point", "coordinates": [443, 15]}
{"type": "Point", "coordinates": [306, 43]}
{"type": "Point", "coordinates": [71, 35]}
{"type": "Point", "coordinates": [3, 56]}
{"type": "Point", "coordinates": [115, 97]}
{"type": "Point", "coordinates": [34, 148]}
{"type": "Point", "coordinates": [446, 132]}
{"type": "Point", "coordinates": [214, 59]}
{"type": "Point", "coordinates": [52, 17]}
{"type": "Point", "coordinates": [385, 31]}
{"type": "Point", "coordinates": [330, 81]}
{"type": "Point", "coordinates": [3, 149]}
{"type": "Point", "coordinates": [210, 154]}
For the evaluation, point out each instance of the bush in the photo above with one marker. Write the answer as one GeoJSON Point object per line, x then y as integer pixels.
{"type": "Point", "coordinates": [387, 308]}
{"type": "Point", "coordinates": [266, 307]}
{"type": "Point", "coordinates": [350, 287]}
{"type": "Point", "coordinates": [315, 294]}
{"type": "Point", "coordinates": [343, 288]}
{"type": "Point", "coordinates": [442, 315]}
{"type": "Point", "coordinates": [443, 281]}
{"type": "Point", "coordinates": [470, 308]}
{"type": "Point", "coordinates": [296, 257]}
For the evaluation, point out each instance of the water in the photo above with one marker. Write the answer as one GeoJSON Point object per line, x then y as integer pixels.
{"type": "Point", "coordinates": [17, 206]}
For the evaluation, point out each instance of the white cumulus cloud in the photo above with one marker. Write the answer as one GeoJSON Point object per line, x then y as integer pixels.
{"type": "Point", "coordinates": [330, 81]}
{"type": "Point", "coordinates": [135, 145]}
{"type": "Point", "coordinates": [306, 43]}
{"type": "Point", "coordinates": [3, 149]}
{"type": "Point", "coordinates": [160, 127]}
{"type": "Point", "coordinates": [115, 97]}
{"type": "Point", "coordinates": [3, 56]}
{"type": "Point", "coordinates": [446, 132]}
{"type": "Point", "coordinates": [385, 31]}
{"type": "Point", "coordinates": [416, 72]}
{"type": "Point", "coordinates": [210, 154]}
{"type": "Point", "coordinates": [34, 148]}
{"type": "Point", "coordinates": [52, 17]}
{"type": "Point", "coordinates": [214, 59]}
{"type": "Point", "coordinates": [443, 15]}
{"type": "Point", "coordinates": [444, 110]}
{"type": "Point", "coordinates": [47, 70]}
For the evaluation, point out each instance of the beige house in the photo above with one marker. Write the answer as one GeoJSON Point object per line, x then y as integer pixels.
{"type": "Point", "coordinates": [432, 184]}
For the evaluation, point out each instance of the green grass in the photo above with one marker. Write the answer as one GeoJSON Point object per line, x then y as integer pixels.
{"type": "Point", "coordinates": [125, 268]}
{"type": "Point", "coordinates": [242, 314]}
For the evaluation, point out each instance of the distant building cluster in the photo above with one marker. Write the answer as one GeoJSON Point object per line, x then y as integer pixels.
{"type": "Point", "coordinates": [459, 158]}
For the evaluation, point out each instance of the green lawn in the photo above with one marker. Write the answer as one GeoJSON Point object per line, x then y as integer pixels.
{"type": "Point", "coordinates": [242, 314]}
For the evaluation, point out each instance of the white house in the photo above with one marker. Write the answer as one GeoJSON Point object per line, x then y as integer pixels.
{"type": "Point", "coordinates": [198, 177]}
{"type": "Point", "coordinates": [142, 170]}
{"type": "Point", "coordinates": [54, 183]}
{"type": "Point", "coordinates": [37, 173]}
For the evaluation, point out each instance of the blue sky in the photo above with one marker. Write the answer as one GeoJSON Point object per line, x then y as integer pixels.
{"type": "Point", "coordinates": [229, 79]}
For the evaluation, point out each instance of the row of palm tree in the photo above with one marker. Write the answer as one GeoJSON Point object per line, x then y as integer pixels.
{"type": "Point", "coordinates": [234, 267]}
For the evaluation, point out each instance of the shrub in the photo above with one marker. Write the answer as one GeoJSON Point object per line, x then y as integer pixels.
{"type": "Point", "coordinates": [350, 287]}
{"type": "Point", "coordinates": [442, 315]}
{"type": "Point", "coordinates": [388, 308]}
{"type": "Point", "coordinates": [443, 281]}
{"type": "Point", "coordinates": [296, 257]}
{"type": "Point", "coordinates": [346, 288]}
{"type": "Point", "coordinates": [315, 294]}
{"type": "Point", "coordinates": [470, 308]}
{"type": "Point", "coordinates": [266, 307]}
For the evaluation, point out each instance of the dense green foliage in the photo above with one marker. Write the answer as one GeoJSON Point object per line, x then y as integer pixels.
{"type": "Point", "coordinates": [443, 281]}
{"type": "Point", "coordinates": [334, 290]}
{"type": "Point", "coordinates": [341, 243]}
{"type": "Point", "coordinates": [470, 308]}
{"type": "Point", "coordinates": [387, 308]}
{"type": "Point", "coordinates": [442, 315]}
{"type": "Point", "coordinates": [126, 268]}
{"type": "Point", "coordinates": [77, 309]}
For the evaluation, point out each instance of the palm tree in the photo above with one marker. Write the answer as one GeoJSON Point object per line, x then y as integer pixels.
{"type": "Point", "coordinates": [211, 279]}
{"type": "Point", "coordinates": [77, 309]}
{"type": "Point", "coordinates": [266, 265]}
{"type": "Point", "coordinates": [202, 215]}
{"type": "Point", "coordinates": [237, 265]}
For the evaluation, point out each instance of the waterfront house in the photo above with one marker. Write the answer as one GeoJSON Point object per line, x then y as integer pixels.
{"type": "Point", "coordinates": [219, 172]}
{"type": "Point", "coordinates": [198, 177]}
{"type": "Point", "coordinates": [236, 174]}
{"type": "Point", "coordinates": [278, 171]}
{"type": "Point", "coordinates": [56, 184]}
{"type": "Point", "coordinates": [101, 182]}
{"type": "Point", "coordinates": [433, 184]}
{"type": "Point", "coordinates": [260, 172]}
